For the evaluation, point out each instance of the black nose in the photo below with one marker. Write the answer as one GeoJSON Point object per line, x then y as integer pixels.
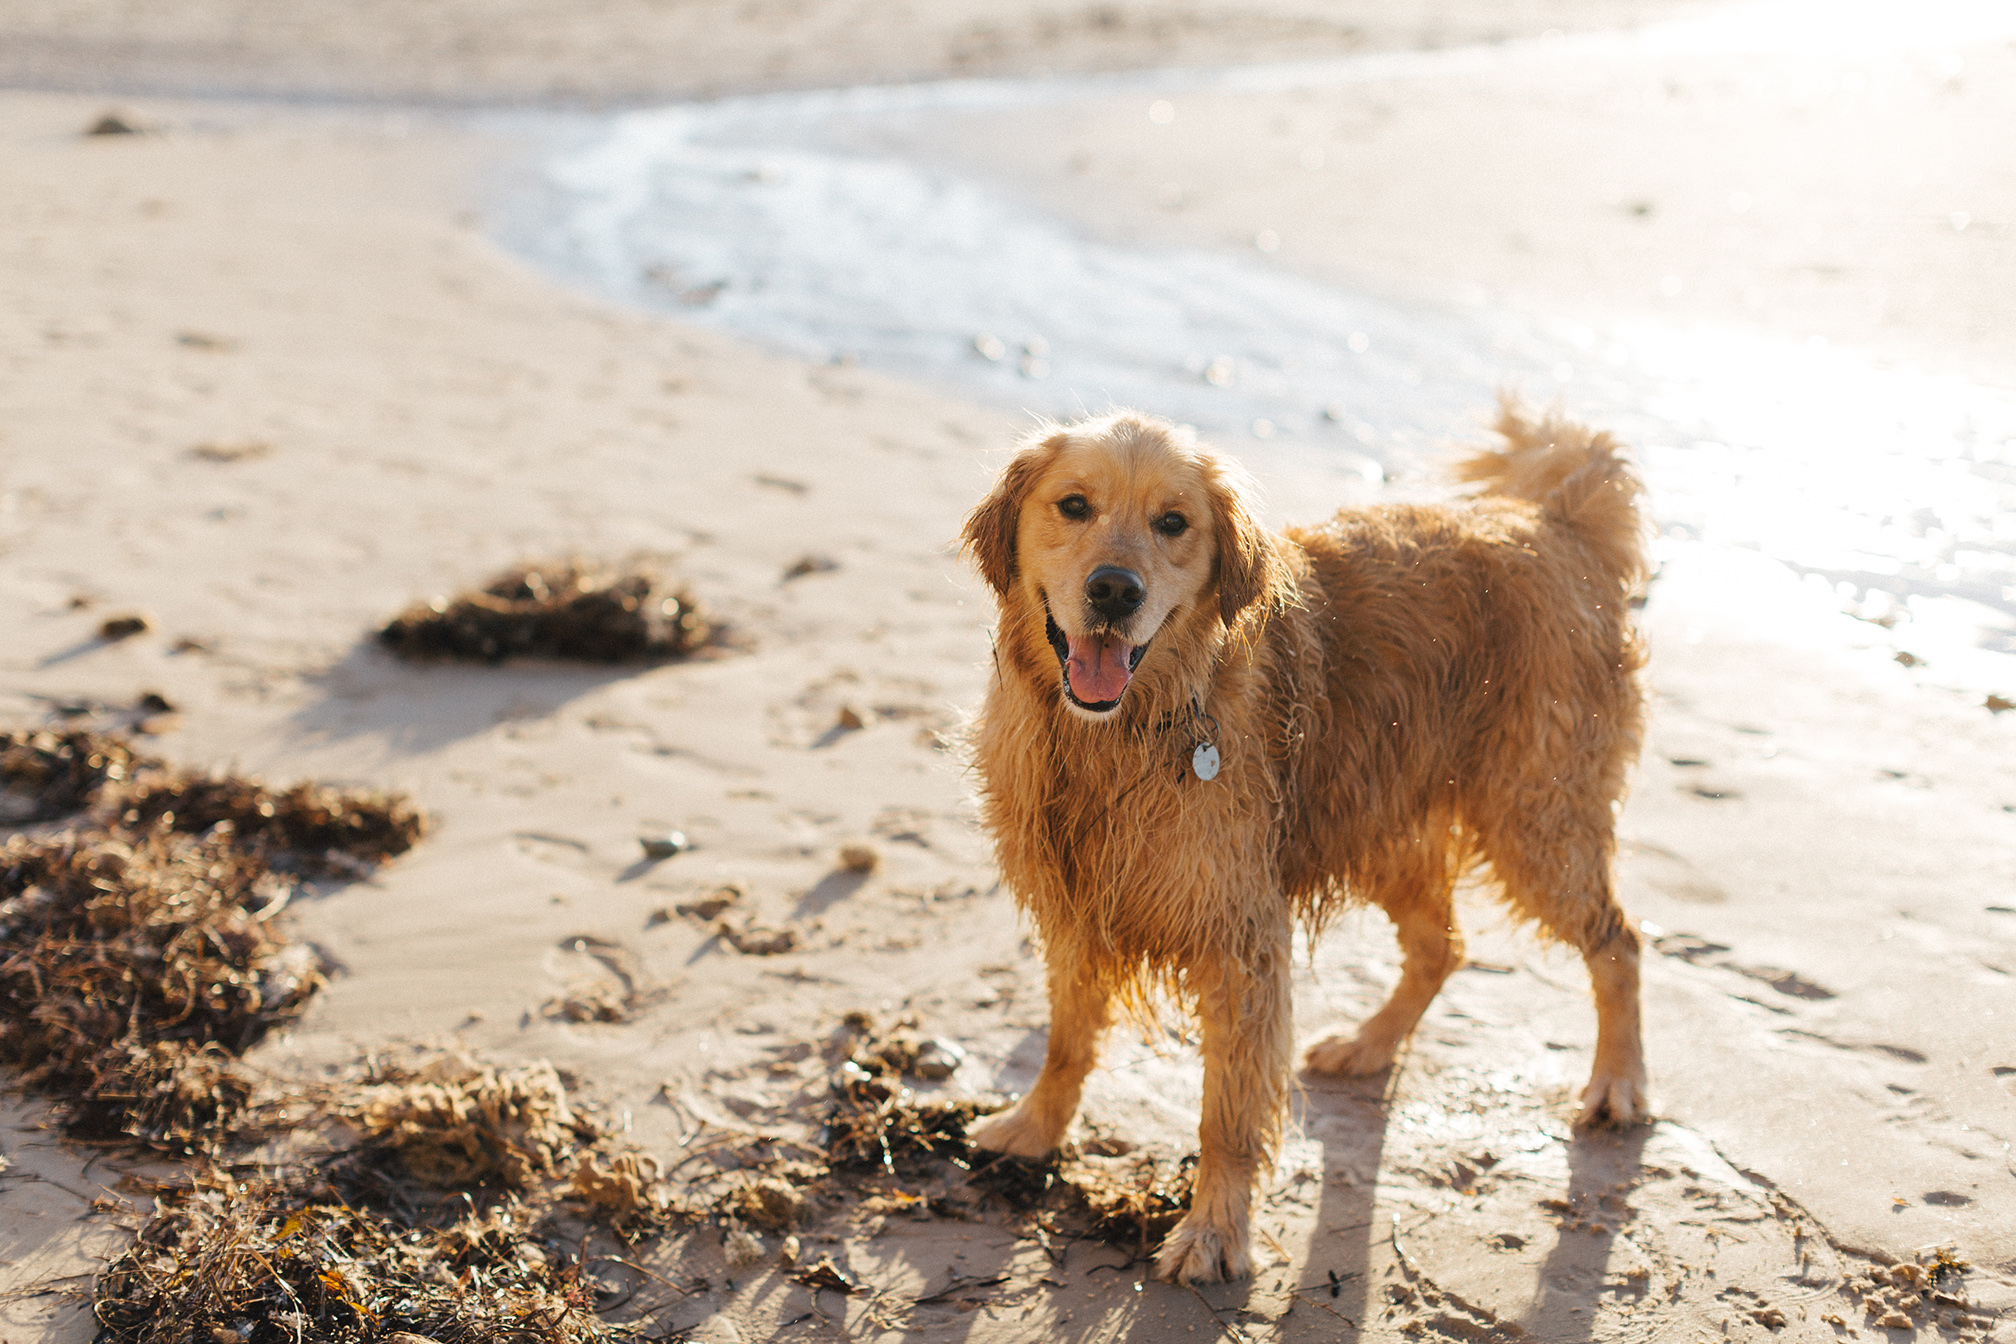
{"type": "Point", "coordinates": [1114, 593]}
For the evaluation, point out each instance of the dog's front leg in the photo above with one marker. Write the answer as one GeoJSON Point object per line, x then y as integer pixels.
{"type": "Point", "coordinates": [1248, 1053]}
{"type": "Point", "coordinates": [1080, 1010]}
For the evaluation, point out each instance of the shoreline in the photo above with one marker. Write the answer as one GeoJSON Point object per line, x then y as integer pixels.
{"type": "Point", "coordinates": [605, 54]}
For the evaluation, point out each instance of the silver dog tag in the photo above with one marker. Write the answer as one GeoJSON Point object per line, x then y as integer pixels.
{"type": "Point", "coordinates": [1204, 761]}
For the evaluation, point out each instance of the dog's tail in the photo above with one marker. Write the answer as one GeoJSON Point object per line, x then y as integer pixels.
{"type": "Point", "coordinates": [1576, 474]}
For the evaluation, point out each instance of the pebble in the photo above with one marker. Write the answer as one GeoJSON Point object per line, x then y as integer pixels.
{"type": "Point", "coordinates": [663, 846]}
{"type": "Point", "coordinates": [124, 627]}
{"type": "Point", "coordinates": [938, 1059]}
{"type": "Point", "coordinates": [111, 123]}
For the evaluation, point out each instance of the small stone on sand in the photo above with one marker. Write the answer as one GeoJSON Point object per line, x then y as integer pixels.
{"type": "Point", "coordinates": [663, 846]}
{"type": "Point", "coordinates": [939, 1058]}
{"type": "Point", "coordinates": [123, 627]}
{"type": "Point", "coordinates": [111, 123]}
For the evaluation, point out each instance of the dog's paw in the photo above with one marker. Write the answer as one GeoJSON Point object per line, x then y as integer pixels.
{"type": "Point", "coordinates": [1615, 1101]}
{"type": "Point", "coordinates": [1015, 1132]}
{"type": "Point", "coordinates": [1200, 1251]}
{"type": "Point", "coordinates": [1351, 1056]}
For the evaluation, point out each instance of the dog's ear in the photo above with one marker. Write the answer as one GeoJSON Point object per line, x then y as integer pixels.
{"type": "Point", "coordinates": [1248, 566]}
{"type": "Point", "coordinates": [989, 533]}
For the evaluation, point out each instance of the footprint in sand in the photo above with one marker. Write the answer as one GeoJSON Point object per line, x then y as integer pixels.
{"type": "Point", "coordinates": [563, 850]}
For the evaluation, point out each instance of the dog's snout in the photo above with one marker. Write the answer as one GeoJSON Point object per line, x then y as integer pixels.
{"type": "Point", "coordinates": [1114, 593]}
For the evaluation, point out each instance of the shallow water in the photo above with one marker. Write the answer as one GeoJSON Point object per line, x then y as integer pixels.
{"type": "Point", "coordinates": [1889, 492]}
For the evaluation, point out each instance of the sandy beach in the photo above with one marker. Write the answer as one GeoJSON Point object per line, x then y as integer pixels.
{"type": "Point", "coordinates": [271, 377]}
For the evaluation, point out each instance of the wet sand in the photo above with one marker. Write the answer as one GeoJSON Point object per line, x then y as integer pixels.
{"type": "Point", "coordinates": [613, 52]}
{"type": "Point", "coordinates": [1821, 839]}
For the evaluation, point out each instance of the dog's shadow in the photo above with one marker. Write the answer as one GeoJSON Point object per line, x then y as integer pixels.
{"type": "Point", "coordinates": [1601, 1163]}
{"type": "Point", "coordinates": [1093, 1291]}
{"type": "Point", "coordinates": [1357, 1273]}
{"type": "Point", "coordinates": [1330, 1295]}
{"type": "Point", "coordinates": [1362, 1276]}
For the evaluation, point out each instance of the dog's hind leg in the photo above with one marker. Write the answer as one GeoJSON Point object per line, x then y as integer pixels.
{"type": "Point", "coordinates": [1416, 893]}
{"type": "Point", "coordinates": [1616, 1091]}
{"type": "Point", "coordinates": [1555, 865]}
{"type": "Point", "coordinates": [1247, 1017]}
{"type": "Point", "coordinates": [1080, 1011]}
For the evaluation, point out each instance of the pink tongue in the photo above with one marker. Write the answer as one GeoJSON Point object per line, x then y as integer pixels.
{"type": "Point", "coordinates": [1098, 667]}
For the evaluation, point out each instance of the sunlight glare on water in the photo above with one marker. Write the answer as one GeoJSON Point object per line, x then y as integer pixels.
{"type": "Point", "coordinates": [1890, 492]}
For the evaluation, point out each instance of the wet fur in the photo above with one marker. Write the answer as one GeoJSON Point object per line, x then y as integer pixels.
{"type": "Point", "coordinates": [1400, 695]}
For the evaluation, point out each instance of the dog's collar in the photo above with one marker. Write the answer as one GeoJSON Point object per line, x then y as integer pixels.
{"type": "Point", "coordinates": [1204, 758]}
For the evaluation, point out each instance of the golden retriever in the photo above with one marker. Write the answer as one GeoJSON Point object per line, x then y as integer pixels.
{"type": "Point", "coordinates": [1200, 734]}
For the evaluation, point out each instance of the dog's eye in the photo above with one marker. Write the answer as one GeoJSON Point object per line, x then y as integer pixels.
{"type": "Point", "coordinates": [1074, 506]}
{"type": "Point", "coordinates": [1171, 524]}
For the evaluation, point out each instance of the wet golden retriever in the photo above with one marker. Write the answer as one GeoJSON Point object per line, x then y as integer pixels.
{"type": "Point", "coordinates": [1200, 734]}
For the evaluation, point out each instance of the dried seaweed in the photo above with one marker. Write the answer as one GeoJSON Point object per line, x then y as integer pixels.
{"type": "Point", "coordinates": [1930, 1289]}
{"type": "Point", "coordinates": [286, 1260]}
{"type": "Point", "coordinates": [169, 1094]}
{"type": "Point", "coordinates": [137, 953]}
{"type": "Point", "coordinates": [574, 610]}
{"type": "Point", "coordinates": [310, 827]}
{"type": "Point", "coordinates": [628, 1190]}
{"type": "Point", "coordinates": [443, 1216]}
{"type": "Point", "coordinates": [1132, 1202]}
{"type": "Point", "coordinates": [45, 774]}
{"type": "Point", "coordinates": [457, 1122]}
{"type": "Point", "coordinates": [875, 1123]}
{"type": "Point", "coordinates": [752, 940]}
{"type": "Point", "coordinates": [824, 1275]}
{"type": "Point", "coordinates": [120, 952]}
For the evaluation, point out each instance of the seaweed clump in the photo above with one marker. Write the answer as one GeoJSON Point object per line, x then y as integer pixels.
{"type": "Point", "coordinates": [308, 827]}
{"type": "Point", "coordinates": [1929, 1289]}
{"type": "Point", "coordinates": [138, 953]}
{"type": "Point", "coordinates": [445, 1216]}
{"type": "Point", "coordinates": [46, 774]}
{"type": "Point", "coordinates": [458, 1122]}
{"type": "Point", "coordinates": [1132, 1201]}
{"type": "Point", "coordinates": [285, 1260]}
{"type": "Point", "coordinates": [574, 610]}
{"type": "Point", "coordinates": [875, 1121]}
{"type": "Point", "coordinates": [1130, 1198]}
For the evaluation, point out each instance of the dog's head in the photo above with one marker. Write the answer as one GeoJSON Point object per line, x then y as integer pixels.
{"type": "Point", "coordinates": [1112, 534]}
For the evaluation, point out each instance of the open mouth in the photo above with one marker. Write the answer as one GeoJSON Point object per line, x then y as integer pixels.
{"type": "Point", "coordinates": [1097, 668]}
